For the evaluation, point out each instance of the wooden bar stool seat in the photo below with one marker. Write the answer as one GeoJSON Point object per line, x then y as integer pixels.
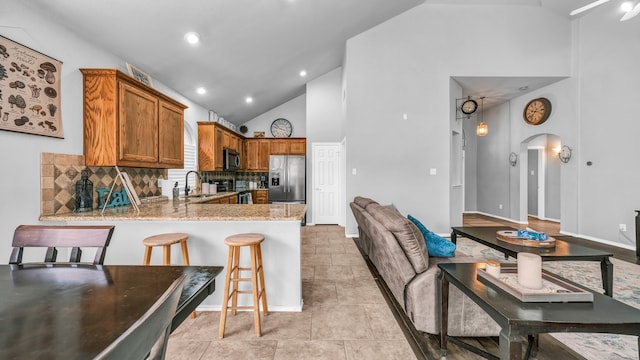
{"type": "Point", "coordinates": [166, 240]}
{"type": "Point", "coordinates": [235, 243]}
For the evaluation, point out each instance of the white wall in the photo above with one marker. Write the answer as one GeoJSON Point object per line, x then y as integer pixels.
{"type": "Point", "coordinates": [592, 114]}
{"type": "Point", "coordinates": [404, 66]}
{"type": "Point", "coordinates": [293, 110]}
{"type": "Point", "coordinates": [325, 119]}
{"type": "Point", "coordinates": [324, 108]}
{"type": "Point", "coordinates": [607, 67]}
{"type": "Point", "coordinates": [20, 178]}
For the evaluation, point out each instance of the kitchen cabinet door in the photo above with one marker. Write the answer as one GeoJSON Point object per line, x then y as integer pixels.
{"type": "Point", "coordinates": [257, 154]}
{"type": "Point", "coordinates": [171, 135]}
{"type": "Point", "coordinates": [264, 150]}
{"type": "Point", "coordinates": [138, 126]}
{"type": "Point", "coordinates": [260, 196]}
{"type": "Point", "coordinates": [279, 147]}
{"type": "Point", "coordinates": [251, 154]}
{"type": "Point", "coordinates": [218, 146]}
{"type": "Point", "coordinates": [298, 146]}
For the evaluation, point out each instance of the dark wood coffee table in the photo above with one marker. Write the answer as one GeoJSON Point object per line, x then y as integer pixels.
{"type": "Point", "coordinates": [563, 250]}
{"type": "Point", "coordinates": [520, 319]}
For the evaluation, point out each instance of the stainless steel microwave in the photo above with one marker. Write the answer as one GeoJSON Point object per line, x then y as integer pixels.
{"type": "Point", "coordinates": [231, 160]}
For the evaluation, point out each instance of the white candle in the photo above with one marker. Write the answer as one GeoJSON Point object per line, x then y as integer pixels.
{"type": "Point", "coordinates": [493, 268]}
{"type": "Point", "coordinates": [530, 270]}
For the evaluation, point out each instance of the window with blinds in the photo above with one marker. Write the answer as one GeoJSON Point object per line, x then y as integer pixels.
{"type": "Point", "coordinates": [190, 163]}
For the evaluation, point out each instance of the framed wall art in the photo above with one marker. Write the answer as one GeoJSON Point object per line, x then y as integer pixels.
{"type": "Point", "coordinates": [139, 75]}
{"type": "Point", "coordinates": [29, 90]}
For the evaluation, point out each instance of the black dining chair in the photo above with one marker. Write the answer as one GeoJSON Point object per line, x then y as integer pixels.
{"type": "Point", "coordinates": [57, 236]}
{"type": "Point", "coordinates": [147, 338]}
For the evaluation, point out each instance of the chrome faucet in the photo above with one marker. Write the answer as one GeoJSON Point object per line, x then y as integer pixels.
{"type": "Point", "coordinates": [186, 181]}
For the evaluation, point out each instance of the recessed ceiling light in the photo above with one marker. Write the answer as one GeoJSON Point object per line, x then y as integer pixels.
{"type": "Point", "coordinates": [523, 88]}
{"type": "Point", "coordinates": [192, 38]}
{"type": "Point", "coordinates": [248, 100]}
{"type": "Point", "coordinates": [303, 73]}
{"type": "Point", "coordinates": [201, 90]}
{"type": "Point", "coordinates": [626, 6]}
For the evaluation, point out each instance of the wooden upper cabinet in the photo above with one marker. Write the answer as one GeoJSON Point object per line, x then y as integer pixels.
{"type": "Point", "coordinates": [128, 123]}
{"type": "Point", "coordinates": [298, 146]}
{"type": "Point", "coordinates": [212, 139]}
{"type": "Point", "coordinates": [264, 150]}
{"type": "Point", "coordinates": [171, 134]}
{"type": "Point", "coordinates": [251, 154]}
{"type": "Point", "coordinates": [280, 147]}
{"type": "Point", "coordinates": [138, 125]}
{"type": "Point", "coordinates": [217, 149]}
{"type": "Point", "coordinates": [257, 153]}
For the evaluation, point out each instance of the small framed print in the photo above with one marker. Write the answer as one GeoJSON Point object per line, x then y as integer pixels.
{"type": "Point", "coordinates": [139, 75]}
{"type": "Point", "coordinates": [29, 90]}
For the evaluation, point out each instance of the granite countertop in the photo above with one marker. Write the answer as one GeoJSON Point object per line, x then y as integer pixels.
{"type": "Point", "coordinates": [193, 210]}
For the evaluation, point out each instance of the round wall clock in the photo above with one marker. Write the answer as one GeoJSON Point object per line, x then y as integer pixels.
{"type": "Point", "coordinates": [281, 128]}
{"type": "Point", "coordinates": [537, 111]}
{"type": "Point", "coordinates": [469, 106]}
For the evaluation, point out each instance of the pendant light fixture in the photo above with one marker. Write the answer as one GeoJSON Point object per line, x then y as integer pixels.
{"type": "Point", "coordinates": [482, 129]}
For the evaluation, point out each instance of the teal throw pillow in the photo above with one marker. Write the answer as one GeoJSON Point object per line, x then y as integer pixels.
{"type": "Point", "coordinates": [436, 245]}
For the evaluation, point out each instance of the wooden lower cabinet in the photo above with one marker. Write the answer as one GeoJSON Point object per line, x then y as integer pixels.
{"type": "Point", "coordinates": [230, 199]}
{"type": "Point", "coordinates": [260, 196]}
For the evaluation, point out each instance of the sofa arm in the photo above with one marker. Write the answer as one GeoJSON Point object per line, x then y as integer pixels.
{"type": "Point", "coordinates": [466, 318]}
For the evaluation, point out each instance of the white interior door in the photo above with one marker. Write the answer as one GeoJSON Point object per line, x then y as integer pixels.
{"type": "Point", "coordinates": [326, 183]}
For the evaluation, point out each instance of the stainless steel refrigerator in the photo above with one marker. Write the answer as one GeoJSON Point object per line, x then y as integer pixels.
{"type": "Point", "coordinates": [287, 179]}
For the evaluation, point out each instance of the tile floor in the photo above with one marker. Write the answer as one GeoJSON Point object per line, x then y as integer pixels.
{"type": "Point", "coordinates": [344, 315]}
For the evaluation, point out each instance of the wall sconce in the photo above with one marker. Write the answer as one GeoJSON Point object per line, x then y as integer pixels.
{"type": "Point", "coordinates": [564, 154]}
{"type": "Point", "coordinates": [513, 159]}
{"type": "Point", "coordinates": [482, 129]}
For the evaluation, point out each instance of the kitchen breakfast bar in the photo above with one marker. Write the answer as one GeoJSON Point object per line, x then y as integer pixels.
{"type": "Point", "coordinates": [207, 226]}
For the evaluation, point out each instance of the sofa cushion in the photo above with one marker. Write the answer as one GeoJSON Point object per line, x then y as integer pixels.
{"type": "Point", "coordinates": [405, 232]}
{"type": "Point", "coordinates": [363, 202]}
{"type": "Point", "coordinates": [436, 245]}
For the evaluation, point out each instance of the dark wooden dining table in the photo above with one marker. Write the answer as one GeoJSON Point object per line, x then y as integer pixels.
{"type": "Point", "coordinates": [68, 311]}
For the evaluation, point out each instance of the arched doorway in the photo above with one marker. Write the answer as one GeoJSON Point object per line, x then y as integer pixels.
{"type": "Point", "coordinates": [540, 178]}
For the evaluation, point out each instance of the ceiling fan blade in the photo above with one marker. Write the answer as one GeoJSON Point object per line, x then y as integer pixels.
{"type": "Point", "coordinates": [631, 13]}
{"type": "Point", "coordinates": [587, 7]}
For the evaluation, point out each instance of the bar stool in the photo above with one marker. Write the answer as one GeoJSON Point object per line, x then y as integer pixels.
{"type": "Point", "coordinates": [235, 242]}
{"type": "Point", "coordinates": [166, 240]}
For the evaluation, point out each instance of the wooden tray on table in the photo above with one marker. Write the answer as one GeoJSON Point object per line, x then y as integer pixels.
{"type": "Point", "coordinates": [511, 236]}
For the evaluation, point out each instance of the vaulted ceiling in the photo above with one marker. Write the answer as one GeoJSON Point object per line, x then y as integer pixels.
{"type": "Point", "coordinates": [253, 48]}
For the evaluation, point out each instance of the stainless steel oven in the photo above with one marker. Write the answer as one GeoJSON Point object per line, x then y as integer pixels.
{"type": "Point", "coordinates": [244, 197]}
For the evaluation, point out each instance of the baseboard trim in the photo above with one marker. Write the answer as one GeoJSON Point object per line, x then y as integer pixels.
{"type": "Point", "coordinates": [494, 216]}
{"type": "Point", "coordinates": [598, 240]}
{"type": "Point", "coordinates": [586, 237]}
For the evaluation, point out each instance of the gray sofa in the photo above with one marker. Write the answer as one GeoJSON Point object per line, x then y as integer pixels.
{"type": "Point", "coordinates": [397, 249]}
